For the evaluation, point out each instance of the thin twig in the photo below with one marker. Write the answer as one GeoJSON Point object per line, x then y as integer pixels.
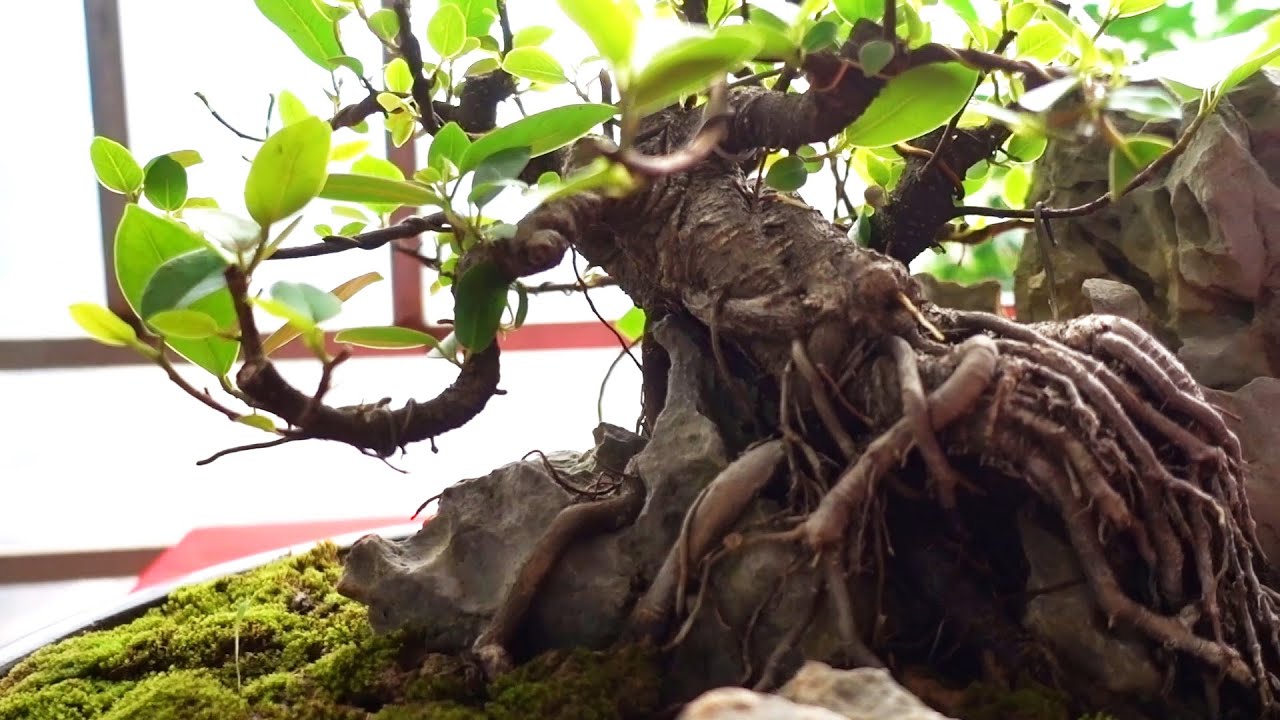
{"type": "Point", "coordinates": [224, 123]}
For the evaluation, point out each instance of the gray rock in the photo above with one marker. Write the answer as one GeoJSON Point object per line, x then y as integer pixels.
{"type": "Point", "coordinates": [1069, 621]}
{"type": "Point", "coordinates": [1109, 297]}
{"type": "Point", "coordinates": [983, 296]}
{"type": "Point", "coordinates": [743, 704]}
{"type": "Point", "coordinates": [1199, 245]}
{"type": "Point", "coordinates": [859, 694]}
{"type": "Point", "coordinates": [1251, 414]}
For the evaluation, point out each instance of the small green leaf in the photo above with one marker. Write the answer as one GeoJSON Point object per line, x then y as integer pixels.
{"type": "Point", "coordinates": [536, 64]}
{"type": "Point", "coordinates": [307, 25]}
{"type": "Point", "coordinates": [1016, 184]}
{"type": "Point", "coordinates": [1144, 103]}
{"type": "Point", "coordinates": [232, 232]}
{"type": "Point", "coordinates": [541, 132]}
{"type": "Point", "coordinates": [480, 296]}
{"type": "Point", "coordinates": [292, 109]}
{"type": "Point", "coordinates": [1132, 157]}
{"type": "Point", "coordinates": [189, 324]}
{"type": "Point", "coordinates": [1041, 41]}
{"type": "Point", "coordinates": [775, 46]}
{"type": "Point", "coordinates": [386, 337]}
{"type": "Point", "coordinates": [288, 171]}
{"type": "Point", "coordinates": [115, 166]}
{"type": "Point", "coordinates": [369, 189]}
{"type": "Point", "coordinates": [1129, 8]}
{"type": "Point", "coordinates": [687, 66]}
{"type": "Point", "coordinates": [480, 15]}
{"type": "Point", "coordinates": [351, 63]}
{"type": "Point", "coordinates": [631, 324]}
{"type": "Point", "coordinates": [182, 280]}
{"type": "Point", "coordinates": [531, 36]}
{"type": "Point", "coordinates": [447, 31]}
{"type": "Point", "coordinates": [913, 103]}
{"type": "Point", "coordinates": [497, 172]}
{"type": "Point", "coordinates": [144, 241]}
{"type": "Point", "coordinates": [483, 66]}
{"type": "Point", "coordinates": [854, 10]}
{"type": "Point", "coordinates": [450, 144]}
{"type": "Point", "coordinates": [397, 76]}
{"type": "Point", "coordinates": [200, 203]}
{"type": "Point", "coordinates": [1267, 37]}
{"type": "Point", "coordinates": [260, 422]}
{"type": "Point", "coordinates": [166, 183]}
{"type": "Point", "coordinates": [611, 25]}
{"type": "Point", "coordinates": [186, 158]}
{"type": "Point", "coordinates": [874, 56]}
{"type": "Point", "coordinates": [377, 167]}
{"type": "Point", "coordinates": [820, 37]}
{"type": "Point", "coordinates": [301, 304]}
{"type": "Point", "coordinates": [787, 174]}
{"type": "Point", "coordinates": [1025, 148]}
{"type": "Point", "coordinates": [385, 24]}
{"type": "Point", "coordinates": [103, 325]}
{"type": "Point", "coordinates": [343, 292]}
{"type": "Point", "coordinates": [348, 150]}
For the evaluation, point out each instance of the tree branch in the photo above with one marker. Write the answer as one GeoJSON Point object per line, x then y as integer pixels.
{"type": "Point", "coordinates": [372, 240]}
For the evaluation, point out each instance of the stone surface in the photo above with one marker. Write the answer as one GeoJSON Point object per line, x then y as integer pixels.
{"type": "Point", "coordinates": [859, 694]}
{"type": "Point", "coordinates": [1200, 245]}
{"type": "Point", "coordinates": [1069, 621]}
{"type": "Point", "coordinates": [1109, 297]}
{"type": "Point", "coordinates": [742, 704]}
{"type": "Point", "coordinates": [983, 296]}
{"type": "Point", "coordinates": [1251, 413]}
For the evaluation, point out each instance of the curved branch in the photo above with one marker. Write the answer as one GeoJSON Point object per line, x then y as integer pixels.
{"type": "Point", "coordinates": [372, 240]}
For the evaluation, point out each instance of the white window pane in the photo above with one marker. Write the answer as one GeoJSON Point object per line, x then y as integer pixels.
{"type": "Point", "coordinates": [50, 242]}
{"type": "Point", "coordinates": [237, 58]}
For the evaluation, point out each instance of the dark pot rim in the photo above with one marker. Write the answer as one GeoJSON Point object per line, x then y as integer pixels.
{"type": "Point", "coordinates": [135, 604]}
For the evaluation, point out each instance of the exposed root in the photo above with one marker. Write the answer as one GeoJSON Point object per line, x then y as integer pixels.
{"type": "Point", "coordinates": [571, 524]}
{"type": "Point", "coordinates": [915, 408]}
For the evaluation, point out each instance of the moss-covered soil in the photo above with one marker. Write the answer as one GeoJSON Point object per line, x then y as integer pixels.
{"type": "Point", "coordinates": [280, 644]}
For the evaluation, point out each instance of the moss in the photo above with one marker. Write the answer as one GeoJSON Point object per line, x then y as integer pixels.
{"type": "Point", "coordinates": [578, 685]}
{"type": "Point", "coordinates": [1030, 701]}
{"type": "Point", "coordinates": [278, 643]}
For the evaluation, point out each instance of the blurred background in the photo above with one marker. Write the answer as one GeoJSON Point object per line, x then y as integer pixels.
{"type": "Point", "coordinates": [98, 462]}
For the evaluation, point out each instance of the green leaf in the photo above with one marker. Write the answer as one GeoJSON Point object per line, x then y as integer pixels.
{"type": "Point", "coordinates": [775, 45]}
{"type": "Point", "coordinates": [377, 167]}
{"type": "Point", "coordinates": [186, 158]}
{"type": "Point", "coordinates": [288, 171]}
{"type": "Point", "coordinates": [144, 241]}
{"type": "Point", "coordinates": [600, 175]}
{"type": "Point", "coordinates": [385, 24]}
{"type": "Point", "coordinates": [541, 132]}
{"type": "Point", "coordinates": [688, 66]}
{"type": "Point", "coordinates": [182, 280]}
{"type": "Point", "coordinates": [166, 183]}
{"type": "Point", "coordinates": [820, 37]}
{"type": "Point", "coordinates": [103, 325]}
{"type": "Point", "coordinates": [874, 56]}
{"type": "Point", "coordinates": [258, 421]}
{"type": "Point", "coordinates": [189, 324]}
{"type": "Point", "coordinates": [291, 108]}
{"type": "Point", "coordinates": [232, 232]}
{"type": "Point", "coordinates": [787, 174]}
{"type": "Point", "coordinates": [1132, 157]}
{"type": "Point", "coordinates": [115, 166]}
{"type": "Point", "coordinates": [348, 150]}
{"type": "Point", "coordinates": [1144, 103]}
{"type": "Point", "coordinates": [480, 15]}
{"type": "Point", "coordinates": [536, 64]}
{"type": "Point", "coordinates": [482, 66]}
{"type": "Point", "coordinates": [386, 337]}
{"type": "Point", "coordinates": [611, 25]}
{"type": "Point", "coordinates": [1026, 148]}
{"type": "Point", "coordinates": [480, 296]}
{"type": "Point", "coordinates": [531, 36]}
{"type": "Point", "coordinates": [1041, 41]}
{"type": "Point", "coordinates": [1016, 184]}
{"type": "Point", "coordinates": [307, 25]}
{"type": "Point", "coordinates": [447, 31]}
{"type": "Point", "coordinates": [962, 8]}
{"type": "Point", "coordinates": [1267, 49]}
{"type": "Point", "coordinates": [450, 144]}
{"type": "Point", "coordinates": [1129, 8]}
{"type": "Point", "coordinates": [397, 76]}
{"type": "Point", "coordinates": [351, 63]}
{"type": "Point", "coordinates": [495, 173]}
{"type": "Point", "coordinates": [307, 305]}
{"type": "Point", "coordinates": [913, 103]}
{"type": "Point", "coordinates": [854, 10]}
{"type": "Point", "coordinates": [631, 324]}
{"type": "Point", "coordinates": [343, 292]}
{"type": "Point", "coordinates": [369, 189]}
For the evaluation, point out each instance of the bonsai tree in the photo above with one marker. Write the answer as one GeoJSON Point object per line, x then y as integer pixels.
{"type": "Point", "coordinates": [845, 392]}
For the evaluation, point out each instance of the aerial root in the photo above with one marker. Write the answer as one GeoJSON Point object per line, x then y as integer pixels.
{"type": "Point", "coordinates": [828, 523]}
{"type": "Point", "coordinates": [571, 524]}
{"type": "Point", "coordinates": [720, 505]}
{"type": "Point", "coordinates": [915, 408]}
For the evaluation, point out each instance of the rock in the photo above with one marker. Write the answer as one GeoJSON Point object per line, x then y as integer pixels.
{"type": "Point", "coordinates": [1251, 412]}
{"type": "Point", "coordinates": [859, 694]}
{"type": "Point", "coordinates": [743, 704]}
{"type": "Point", "coordinates": [1068, 619]}
{"type": "Point", "coordinates": [1200, 245]}
{"type": "Point", "coordinates": [1109, 297]}
{"type": "Point", "coordinates": [983, 296]}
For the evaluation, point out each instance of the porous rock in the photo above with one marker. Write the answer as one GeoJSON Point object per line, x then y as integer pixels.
{"type": "Point", "coordinates": [1251, 415]}
{"type": "Point", "coordinates": [1199, 244]}
{"type": "Point", "coordinates": [732, 703]}
{"type": "Point", "coordinates": [983, 296]}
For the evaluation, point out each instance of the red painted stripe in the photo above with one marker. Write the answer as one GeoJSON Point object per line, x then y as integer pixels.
{"type": "Point", "coordinates": [561, 336]}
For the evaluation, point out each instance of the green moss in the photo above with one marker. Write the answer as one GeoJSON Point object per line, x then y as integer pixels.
{"type": "Point", "coordinates": [1030, 701]}
{"type": "Point", "coordinates": [279, 644]}
{"type": "Point", "coordinates": [180, 695]}
{"type": "Point", "coordinates": [578, 685]}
